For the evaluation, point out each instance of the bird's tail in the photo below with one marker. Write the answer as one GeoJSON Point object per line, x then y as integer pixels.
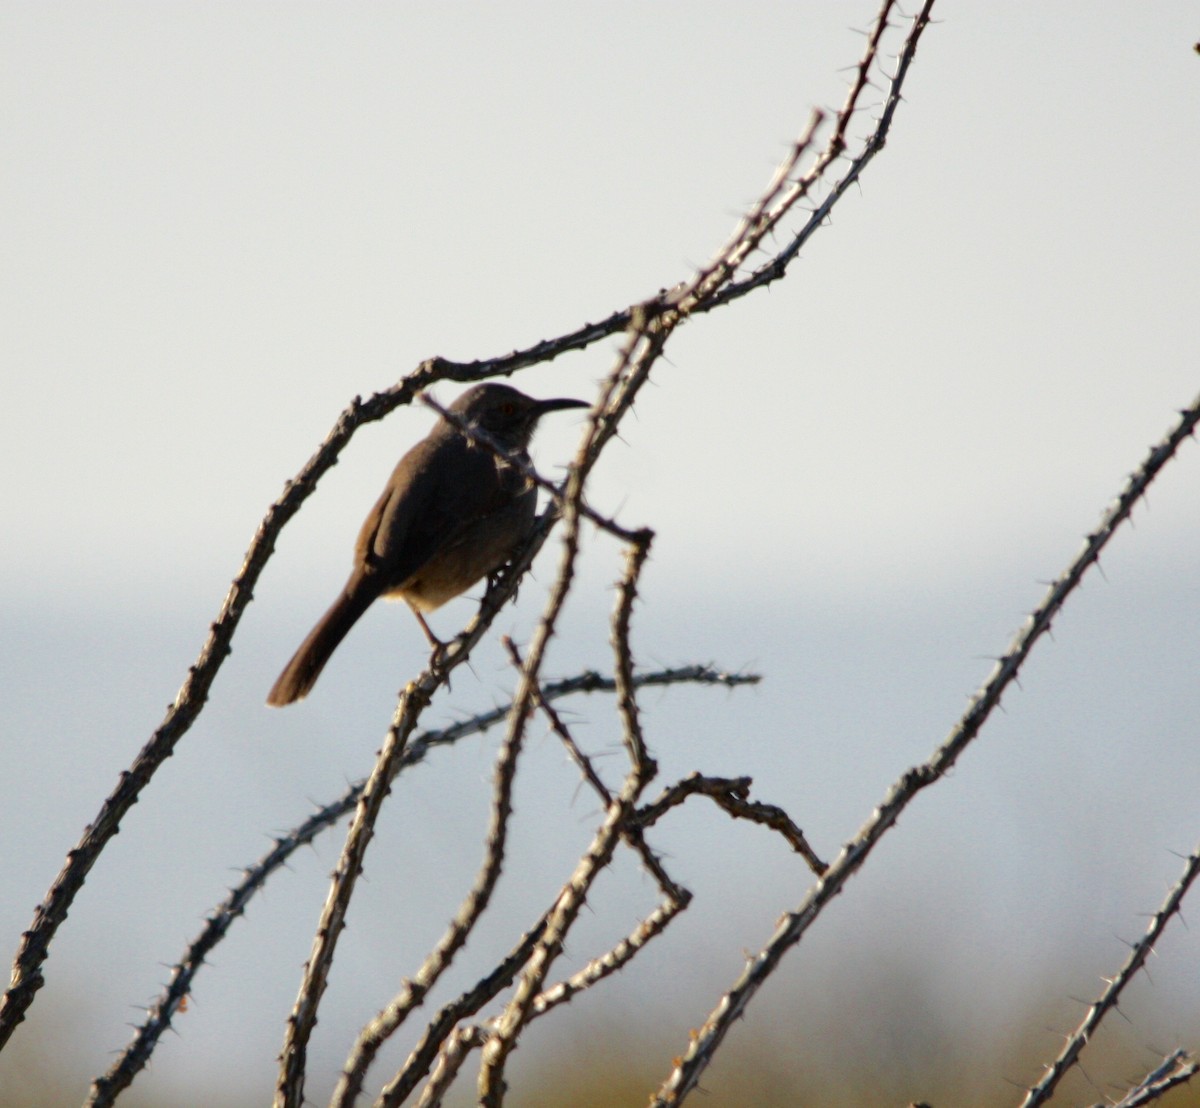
{"type": "Point", "coordinates": [301, 673]}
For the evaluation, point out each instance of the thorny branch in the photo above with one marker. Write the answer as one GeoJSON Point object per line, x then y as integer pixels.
{"type": "Point", "coordinates": [1139, 952]}
{"type": "Point", "coordinates": [137, 1053]}
{"type": "Point", "coordinates": [733, 795]}
{"type": "Point", "coordinates": [508, 1025]}
{"type": "Point", "coordinates": [1176, 1069]}
{"type": "Point", "coordinates": [450, 1037]}
{"type": "Point", "coordinates": [794, 924]}
{"type": "Point", "coordinates": [709, 289]}
{"type": "Point", "coordinates": [439, 959]}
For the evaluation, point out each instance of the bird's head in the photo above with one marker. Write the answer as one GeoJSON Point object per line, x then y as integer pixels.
{"type": "Point", "coordinates": [505, 413]}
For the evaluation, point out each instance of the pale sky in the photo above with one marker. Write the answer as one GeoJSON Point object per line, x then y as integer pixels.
{"type": "Point", "coordinates": [224, 221]}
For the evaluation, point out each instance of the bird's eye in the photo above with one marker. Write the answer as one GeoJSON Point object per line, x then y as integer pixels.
{"type": "Point", "coordinates": [509, 408]}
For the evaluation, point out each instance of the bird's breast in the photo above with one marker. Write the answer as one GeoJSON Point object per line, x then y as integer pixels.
{"type": "Point", "coordinates": [481, 546]}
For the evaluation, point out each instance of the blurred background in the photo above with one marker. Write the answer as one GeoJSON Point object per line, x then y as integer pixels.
{"type": "Point", "coordinates": [224, 221]}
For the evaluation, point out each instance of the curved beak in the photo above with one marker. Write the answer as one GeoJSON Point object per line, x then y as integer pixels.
{"type": "Point", "coordinates": [558, 405]}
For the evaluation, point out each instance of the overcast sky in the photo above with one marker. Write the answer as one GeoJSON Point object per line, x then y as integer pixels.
{"type": "Point", "coordinates": [224, 221]}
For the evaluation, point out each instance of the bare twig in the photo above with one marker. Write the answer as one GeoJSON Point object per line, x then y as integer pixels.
{"type": "Point", "coordinates": [699, 295]}
{"type": "Point", "coordinates": [134, 1057]}
{"type": "Point", "coordinates": [379, 1029]}
{"type": "Point", "coordinates": [27, 976]}
{"type": "Point", "coordinates": [794, 924]}
{"type": "Point", "coordinates": [733, 795]}
{"type": "Point", "coordinates": [1176, 1069]}
{"type": "Point", "coordinates": [574, 894]}
{"type": "Point", "coordinates": [292, 1062]}
{"type": "Point", "coordinates": [648, 326]}
{"type": "Point", "coordinates": [161, 1014]}
{"type": "Point", "coordinates": [450, 1061]}
{"type": "Point", "coordinates": [442, 1030]}
{"type": "Point", "coordinates": [376, 1033]}
{"type": "Point", "coordinates": [611, 961]}
{"type": "Point", "coordinates": [615, 400]}
{"type": "Point", "coordinates": [1139, 952]}
{"type": "Point", "coordinates": [777, 266]}
{"type": "Point", "coordinates": [632, 833]}
{"type": "Point", "coordinates": [413, 700]}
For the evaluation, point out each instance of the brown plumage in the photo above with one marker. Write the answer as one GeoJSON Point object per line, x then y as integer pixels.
{"type": "Point", "coordinates": [451, 513]}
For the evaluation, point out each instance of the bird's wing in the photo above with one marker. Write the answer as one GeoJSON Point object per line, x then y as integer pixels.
{"type": "Point", "coordinates": [438, 489]}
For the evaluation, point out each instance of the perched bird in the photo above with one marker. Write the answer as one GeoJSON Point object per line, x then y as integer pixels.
{"type": "Point", "coordinates": [452, 512]}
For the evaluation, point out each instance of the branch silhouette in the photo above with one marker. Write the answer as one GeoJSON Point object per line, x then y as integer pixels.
{"type": "Point", "coordinates": [484, 1021]}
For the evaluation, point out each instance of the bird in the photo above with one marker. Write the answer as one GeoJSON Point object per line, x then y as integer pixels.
{"type": "Point", "coordinates": [452, 513]}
